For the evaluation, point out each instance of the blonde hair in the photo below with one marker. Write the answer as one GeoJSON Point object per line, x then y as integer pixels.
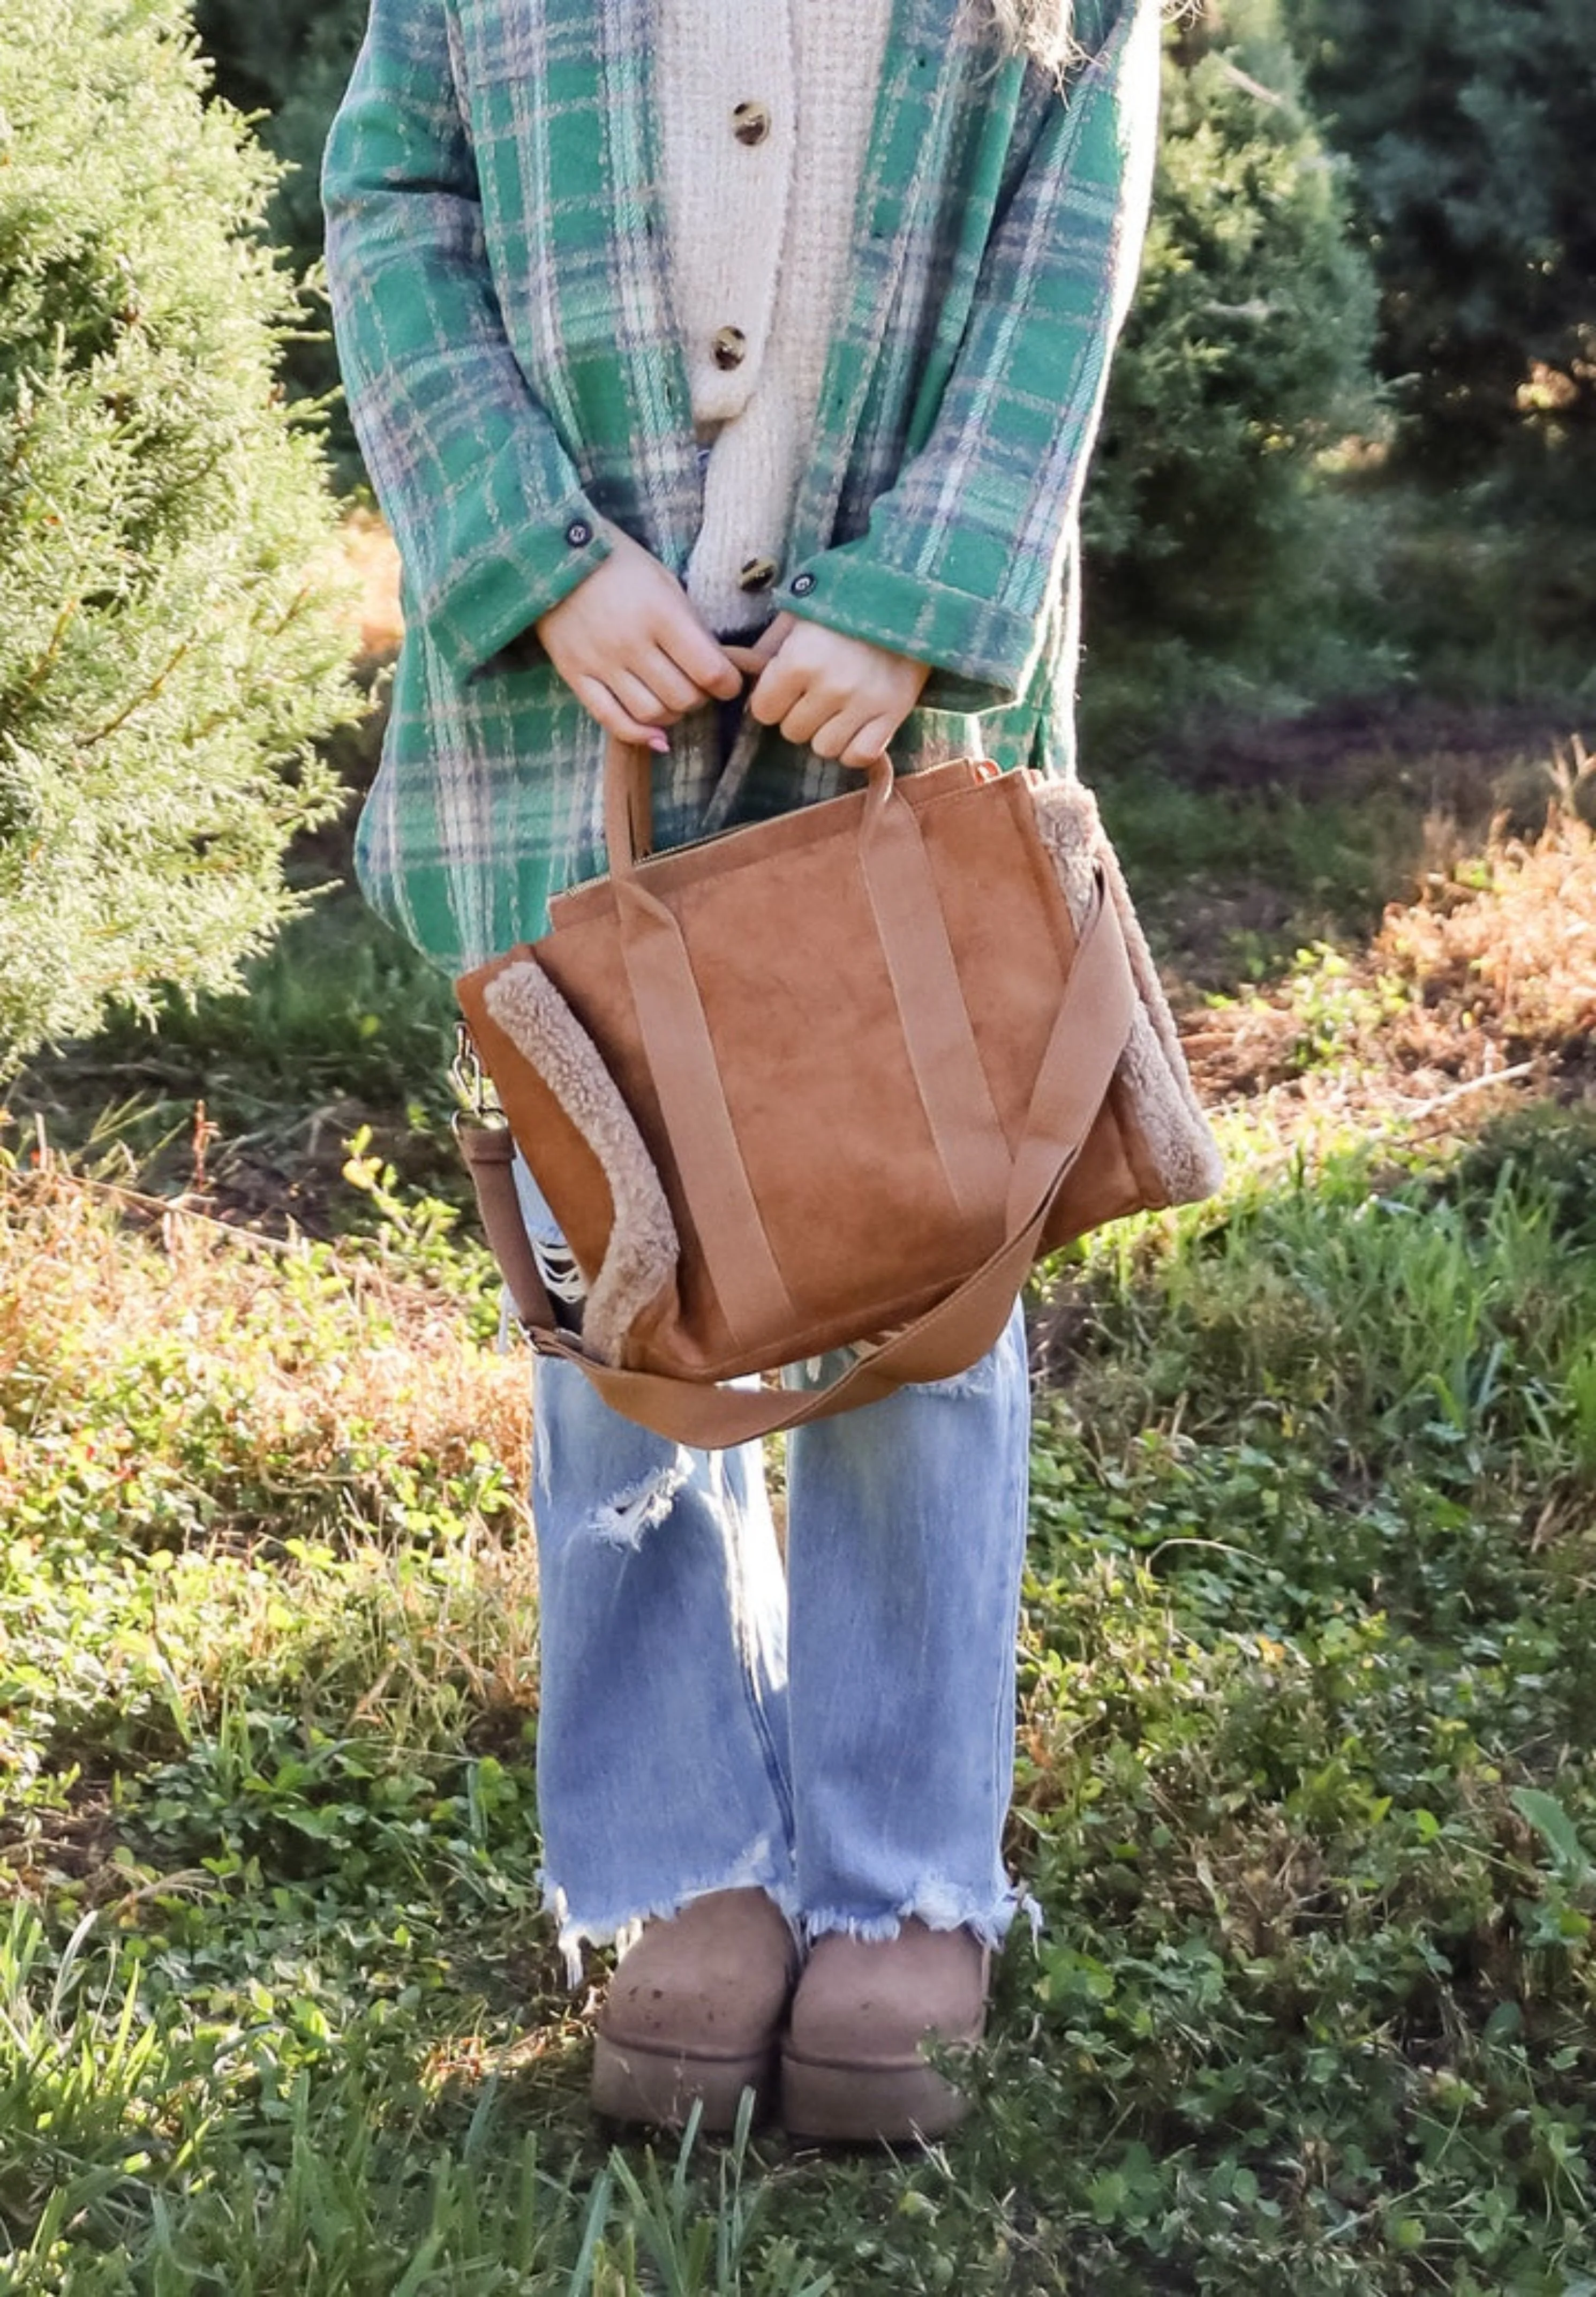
{"type": "Point", "coordinates": [1042, 29]}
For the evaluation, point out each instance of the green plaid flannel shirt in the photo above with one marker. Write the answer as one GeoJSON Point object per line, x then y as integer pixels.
{"type": "Point", "coordinates": [495, 249]}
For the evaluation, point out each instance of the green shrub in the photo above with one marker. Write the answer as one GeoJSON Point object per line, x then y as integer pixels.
{"type": "Point", "coordinates": [289, 59]}
{"type": "Point", "coordinates": [1247, 357]}
{"type": "Point", "coordinates": [1472, 126]}
{"type": "Point", "coordinates": [168, 649]}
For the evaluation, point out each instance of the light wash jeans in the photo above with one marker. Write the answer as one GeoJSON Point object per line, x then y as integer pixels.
{"type": "Point", "coordinates": [841, 1735]}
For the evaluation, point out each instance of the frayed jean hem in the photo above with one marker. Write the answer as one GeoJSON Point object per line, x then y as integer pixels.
{"type": "Point", "coordinates": [620, 1930]}
{"type": "Point", "coordinates": [935, 1905]}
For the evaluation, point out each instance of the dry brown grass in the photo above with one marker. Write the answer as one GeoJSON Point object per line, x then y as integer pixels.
{"type": "Point", "coordinates": [1505, 957]}
{"type": "Point", "coordinates": [332, 1353]}
{"type": "Point", "coordinates": [328, 1468]}
{"type": "Point", "coordinates": [1485, 982]}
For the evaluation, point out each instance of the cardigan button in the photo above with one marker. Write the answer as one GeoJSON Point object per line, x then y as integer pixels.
{"type": "Point", "coordinates": [750, 123]}
{"type": "Point", "coordinates": [802, 585]}
{"type": "Point", "coordinates": [728, 348]}
{"type": "Point", "coordinates": [578, 534]}
{"type": "Point", "coordinates": [757, 574]}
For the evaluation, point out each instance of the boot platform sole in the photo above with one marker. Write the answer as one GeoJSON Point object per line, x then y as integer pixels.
{"type": "Point", "coordinates": [861, 2105]}
{"type": "Point", "coordinates": [632, 2082]}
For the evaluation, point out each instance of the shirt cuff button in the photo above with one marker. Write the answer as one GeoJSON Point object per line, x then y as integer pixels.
{"type": "Point", "coordinates": [802, 585]}
{"type": "Point", "coordinates": [750, 123]}
{"type": "Point", "coordinates": [578, 534]}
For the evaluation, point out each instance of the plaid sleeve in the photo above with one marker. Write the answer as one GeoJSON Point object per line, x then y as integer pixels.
{"type": "Point", "coordinates": [490, 518]}
{"type": "Point", "coordinates": [963, 551]}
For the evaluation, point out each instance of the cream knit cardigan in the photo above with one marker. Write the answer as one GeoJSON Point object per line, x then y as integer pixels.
{"type": "Point", "coordinates": [760, 237]}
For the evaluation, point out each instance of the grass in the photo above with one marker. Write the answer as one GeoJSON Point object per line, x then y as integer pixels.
{"type": "Point", "coordinates": [1303, 1789]}
{"type": "Point", "coordinates": [246, 1102]}
{"type": "Point", "coordinates": [1305, 1792]}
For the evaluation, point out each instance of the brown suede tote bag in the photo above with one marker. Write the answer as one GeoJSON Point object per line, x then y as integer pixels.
{"type": "Point", "coordinates": [834, 1080]}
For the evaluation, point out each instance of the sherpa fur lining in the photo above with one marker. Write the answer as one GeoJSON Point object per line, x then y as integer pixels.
{"type": "Point", "coordinates": [1153, 1067]}
{"type": "Point", "coordinates": [641, 1258]}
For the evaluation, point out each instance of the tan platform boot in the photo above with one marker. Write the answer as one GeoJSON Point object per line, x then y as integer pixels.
{"type": "Point", "coordinates": [693, 2013]}
{"type": "Point", "coordinates": [852, 2068]}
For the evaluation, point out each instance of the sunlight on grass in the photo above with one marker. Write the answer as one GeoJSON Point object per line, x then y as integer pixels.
{"type": "Point", "coordinates": [1304, 1784]}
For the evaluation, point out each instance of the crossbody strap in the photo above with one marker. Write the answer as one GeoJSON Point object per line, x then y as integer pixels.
{"type": "Point", "coordinates": [490, 1154]}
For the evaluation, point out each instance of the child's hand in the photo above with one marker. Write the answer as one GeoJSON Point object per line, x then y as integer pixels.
{"type": "Point", "coordinates": [840, 697]}
{"type": "Point", "coordinates": [632, 650]}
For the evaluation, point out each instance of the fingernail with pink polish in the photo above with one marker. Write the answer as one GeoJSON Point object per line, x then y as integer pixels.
{"type": "Point", "coordinates": [660, 743]}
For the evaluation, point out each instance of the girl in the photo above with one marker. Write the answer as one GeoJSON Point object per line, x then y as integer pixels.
{"type": "Point", "coordinates": [686, 340]}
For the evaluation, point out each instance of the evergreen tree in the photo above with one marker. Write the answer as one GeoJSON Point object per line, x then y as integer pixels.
{"type": "Point", "coordinates": [1473, 124]}
{"type": "Point", "coordinates": [167, 652]}
{"type": "Point", "coordinates": [289, 61]}
{"type": "Point", "coordinates": [1246, 357]}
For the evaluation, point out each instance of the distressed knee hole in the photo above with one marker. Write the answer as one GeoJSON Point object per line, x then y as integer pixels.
{"type": "Point", "coordinates": [627, 1519]}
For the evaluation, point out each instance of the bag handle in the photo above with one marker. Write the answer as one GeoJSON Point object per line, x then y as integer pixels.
{"type": "Point", "coordinates": [680, 1054]}
{"type": "Point", "coordinates": [1089, 1035]}
{"type": "Point", "coordinates": [951, 1082]}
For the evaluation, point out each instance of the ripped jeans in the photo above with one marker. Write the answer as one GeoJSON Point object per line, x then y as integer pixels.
{"type": "Point", "coordinates": [840, 1734]}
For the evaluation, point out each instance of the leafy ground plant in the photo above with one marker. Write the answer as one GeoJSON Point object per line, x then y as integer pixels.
{"type": "Point", "coordinates": [1304, 1794]}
